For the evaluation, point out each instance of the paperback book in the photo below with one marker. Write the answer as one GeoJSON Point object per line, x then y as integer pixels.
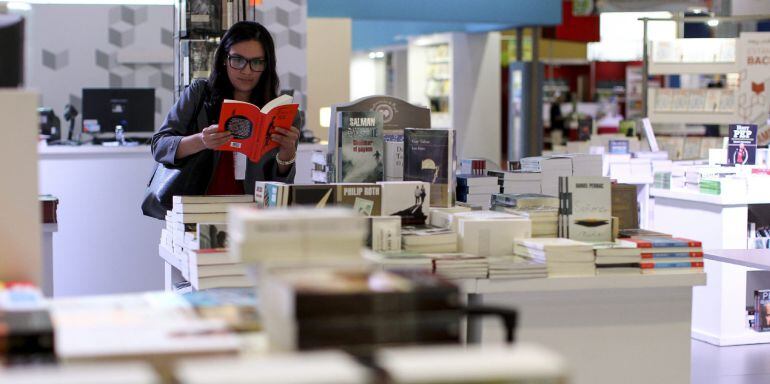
{"type": "Point", "coordinates": [316, 195]}
{"type": "Point", "coordinates": [408, 199]}
{"type": "Point", "coordinates": [429, 157]}
{"type": "Point", "coordinates": [586, 208]}
{"type": "Point", "coordinates": [363, 198]}
{"type": "Point", "coordinates": [252, 127]}
{"type": "Point", "coordinates": [361, 152]}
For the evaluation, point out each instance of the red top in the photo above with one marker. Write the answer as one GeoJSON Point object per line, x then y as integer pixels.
{"type": "Point", "coordinates": [223, 182]}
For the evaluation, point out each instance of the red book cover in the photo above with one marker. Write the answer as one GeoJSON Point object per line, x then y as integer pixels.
{"type": "Point", "coordinates": [671, 254]}
{"type": "Point", "coordinates": [251, 127]}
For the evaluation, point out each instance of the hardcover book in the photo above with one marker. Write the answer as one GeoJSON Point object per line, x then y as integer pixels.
{"type": "Point", "coordinates": [252, 127]}
{"type": "Point", "coordinates": [361, 147]}
{"type": "Point", "coordinates": [394, 157]}
{"type": "Point", "coordinates": [586, 208]}
{"type": "Point", "coordinates": [363, 198]}
{"type": "Point", "coordinates": [429, 157]}
{"type": "Point", "coordinates": [317, 195]}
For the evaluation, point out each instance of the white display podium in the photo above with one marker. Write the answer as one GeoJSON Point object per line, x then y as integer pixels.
{"type": "Point", "coordinates": [604, 326]}
{"type": "Point", "coordinates": [719, 222]}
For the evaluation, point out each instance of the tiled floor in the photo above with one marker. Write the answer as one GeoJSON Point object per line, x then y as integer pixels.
{"type": "Point", "coordinates": [747, 364]}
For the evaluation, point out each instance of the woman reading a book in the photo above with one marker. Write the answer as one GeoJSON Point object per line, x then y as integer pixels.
{"type": "Point", "coordinates": [244, 70]}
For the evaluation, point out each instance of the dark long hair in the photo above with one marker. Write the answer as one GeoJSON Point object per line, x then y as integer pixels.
{"type": "Point", "coordinates": [267, 87]}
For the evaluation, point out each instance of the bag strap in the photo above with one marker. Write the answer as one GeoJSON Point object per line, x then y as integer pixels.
{"type": "Point", "coordinates": [199, 105]}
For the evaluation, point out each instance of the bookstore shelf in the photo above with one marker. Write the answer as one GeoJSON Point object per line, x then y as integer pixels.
{"type": "Point", "coordinates": [692, 117]}
{"type": "Point", "coordinates": [692, 68]}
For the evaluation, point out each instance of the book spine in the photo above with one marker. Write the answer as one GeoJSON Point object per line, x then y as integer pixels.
{"type": "Point", "coordinates": [694, 264]}
{"type": "Point", "coordinates": [671, 254]}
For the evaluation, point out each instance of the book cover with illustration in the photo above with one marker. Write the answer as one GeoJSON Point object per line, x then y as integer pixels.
{"type": "Point", "coordinates": [316, 195]}
{"type": "Point", "coordinates": [429, 157]}
{"type": "Point", "coordinates": [408, 199]}
{"type": "Point", "coordinates": [361, 147]}
{"type": "Point", "coordinates": [742, 144]}
{"type": "Point", "coordinates": [363, 198]}
{"type": "Point", "coordinates": [585, 208]}
{"type": "Point", "coordinates": [252, 127]}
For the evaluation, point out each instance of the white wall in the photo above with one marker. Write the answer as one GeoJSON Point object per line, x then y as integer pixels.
{"type": "Point", "coordinates": [328, 67]}
{"type": "Point", "coordinates": [476, 95]}
{"type": "Point", "coordinates": [750, 7]}
{"type": "Point", "coordinates": [365, 76]}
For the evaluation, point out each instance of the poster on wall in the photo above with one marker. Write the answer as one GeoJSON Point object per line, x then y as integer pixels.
{"type": "Point", "coordinates": [754, 68]}
{"type": "Point", "coordinates": [742, 144]}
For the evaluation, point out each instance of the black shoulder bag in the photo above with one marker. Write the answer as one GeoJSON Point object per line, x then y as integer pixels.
{"type": "Point", "coordinates": [191, 177]}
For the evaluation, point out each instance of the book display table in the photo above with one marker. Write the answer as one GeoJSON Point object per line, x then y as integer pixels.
{"type": "Point", "coordinates": [720, 222]}
{"type": "Point", "coordinates": [636, 327]}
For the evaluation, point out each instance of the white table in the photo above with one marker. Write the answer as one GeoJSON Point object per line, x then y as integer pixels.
{"type": "Point", "coordinates": [104, 244]}
{"type": "Point", "coordinates": [630, 329]}
{"type": "Point", "coordinates": [719, 222]}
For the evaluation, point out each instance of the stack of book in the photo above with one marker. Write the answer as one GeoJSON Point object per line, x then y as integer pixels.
{"type": "Point", "coordinates": [476, 189]}
{"type": "Point", "coordinates": [669, 254]}
{"type": "Point", "coordinates": [357, 309]}
{"type": "Point", "coordinates": [524, 201]}
{"type": "Point", "coordinates": [400, 261]}
{"type": "Point", "coordinates": [442, 217]}
{"type": "Point", "coordinates": [384, 233]}
{"type": "Point", "coordinates": [472, 364]}
{"type": "Point", "coordinates": [542, 210]}
{"type": "Point", "coordinates": [545, 221]}
{"type": "Point", "coordinates": [488, 233]}
{"type": "Point", "coordinates": [26, 337]}
{"type": "Point", "coordinates": [617, 258]}
{"type": "Point", "coordinates": [196, 236]}
{"type": "Point", "coordinates": [473, 166]}
{"type": "Point", "coordinates": [584, 164]}
{"type": "Point", "coordinates": [662, 180]}
{"type": "Point", "coordinates": [518, 181]}
{"type": "Point", "coordinates": [425, 239]}
{"type": "Point", "coordinates": [550, 168]}
{"type": "Point", "coordinates": [516, 267]}
{"type": "Point", "coordinates": [295, 234]}
{"type": "Point", "coordinates": [563, 257]}
{"type": "Point", "coordinates": [460, 266]}
{"type": "Point", "coordinates": [319, 367]}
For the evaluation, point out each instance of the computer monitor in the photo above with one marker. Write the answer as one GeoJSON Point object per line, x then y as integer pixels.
{"type": "Point", "coordinates": [131, 108]}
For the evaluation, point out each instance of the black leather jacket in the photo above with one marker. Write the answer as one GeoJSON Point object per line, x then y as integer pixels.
{"type": "Point", "coordinates": [177, 125]}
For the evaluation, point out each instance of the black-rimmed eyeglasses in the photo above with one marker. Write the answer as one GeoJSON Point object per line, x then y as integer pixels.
{"type": "Point", "coordinates": [239, 62]}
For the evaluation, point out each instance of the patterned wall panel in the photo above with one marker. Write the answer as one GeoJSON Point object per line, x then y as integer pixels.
{"type": "Point", "coordinates": [76, 46]}
{"type": "Point", "coordinates": [287, 21]}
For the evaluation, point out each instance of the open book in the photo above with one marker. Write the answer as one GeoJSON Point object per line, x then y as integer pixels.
{"type": "Point", "coordinates": [251, 127]}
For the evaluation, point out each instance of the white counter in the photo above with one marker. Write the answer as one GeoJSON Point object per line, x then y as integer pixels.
{"type": "Point", "coordinates": [719, 222]}
{"type": "Point", "coordinates": [605, 326]}
{"type": "Point", "coordinates": [104, 244]}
